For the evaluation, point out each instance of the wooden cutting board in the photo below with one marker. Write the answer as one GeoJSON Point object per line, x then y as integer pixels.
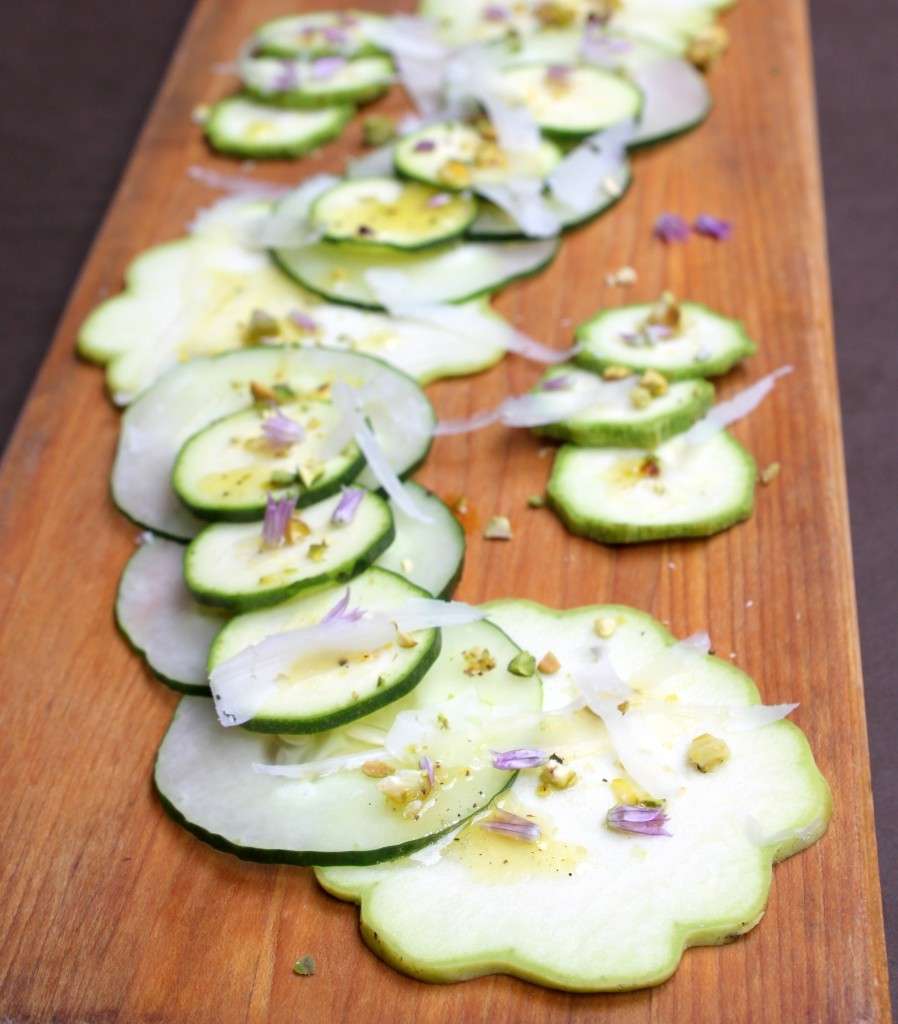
{"type": "Point", "coordinates": [110, 912]}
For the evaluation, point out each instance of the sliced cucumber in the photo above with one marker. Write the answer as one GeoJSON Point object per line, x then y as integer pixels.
{"type": "Point", "coordinates": [317, 34]}
{"type": "Point", "coordinates": [161, 619]}
{"type": "Point", "coordinates": [242, 126]}
{"type": "Point", "coordinates": [228, 469]}
{"type": "Point", "coordinates": [454, 155]}
{"type": "Point", "coordinates": [205, 777]}
{"type": "Point", "coordinates": [432, 554]}
{"type": "Point", "coordinates": [190, 397]}
{"type": "Point", "coordinates": [387, 212]}
{"type": "Point", "coordinates": [589, 909]}
{"type": "Point", "coordinates": [706, 344]}
{"type": "Point", "coordinates": [616, 420]}
{"type": "Point", "coordinates": [323, 82]}
{"type": "Point", "coordinates": [450, 273]}
{"type": "Point", "coordinates": [622, 496]}
{"type": "Point", "coordinates": [570, 101]}
{"type": "Point", "coordinates": [228, 565]}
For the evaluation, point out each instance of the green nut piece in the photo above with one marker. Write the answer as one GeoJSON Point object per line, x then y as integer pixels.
{"type": "Point", "coordinates": [522, 664]}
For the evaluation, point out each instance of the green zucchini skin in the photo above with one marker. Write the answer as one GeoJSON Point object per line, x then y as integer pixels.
{"type": "Point", "coordinates": [223, 141]}
{"type": "Point", "coordinates": [266, 42]}
{"type": "Point", "coordinates": [302, 98]}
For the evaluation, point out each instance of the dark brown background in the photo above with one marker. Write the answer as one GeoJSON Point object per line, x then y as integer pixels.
{"type": "Point", "coordinates": [78, 78]}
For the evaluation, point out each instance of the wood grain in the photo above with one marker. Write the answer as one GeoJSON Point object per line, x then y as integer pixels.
{"type": "Point", "coordinates": [112, 913]}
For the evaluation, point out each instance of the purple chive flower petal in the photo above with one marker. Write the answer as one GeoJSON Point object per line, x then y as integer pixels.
{"type": "Point", "coordinates": [560, 383]}
{"type": "Point", "coordinates": [286, 78]}
{"type": "Point", "coordinates": [495, 12]}
{"type": "Point", "coordinates": [424, 146]}
{"type": "Point", "coordinates": [522, 757]}
{"type": "Point", "coordinates": [670, 227]}
{"type": "Point", "coordinates": [426, 765]}
{"type": "Point", "coordinates": [712, 227]}
{"type": "Point", "coordinates": [643, 821]}
{"type": "Point", "coordinates": [303, 320]}
{"type": "Point", "coordinates": [336, 36]}
{"type": "Point", "coordinates": [658, 332]}
{"type": "Point", "coordinates": [326, 67]}
{"type": "Point", "coordinates": [559, 73]}
{"type": "Point", "coordinates": [348, 505]}
{"type": "Point", "coordinates": [511, 825]}
{"type": "Point", "coordinates": [440, 199]}
{"type": "Point", "coordinates": [340, 612]}
{"type": "Point", "coordinates": [277, 516]}
{"type": "Point", "coordinates": [280, 430]}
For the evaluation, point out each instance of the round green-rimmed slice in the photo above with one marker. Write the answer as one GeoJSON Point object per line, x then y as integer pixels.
{"type": "Point", "coordinates": [205, 775]}
{"type": "Point", "coordinates": [228, 469]}
{"type": "Point", "coordinates": [704, 344]}
{"type": "Point", "coordinates": [617, 418]}
{"type": "Point", "coordinates": [586, 908]}
{"type": "Point", "coordinates": [228, 564]}
{"type": "Point", "coordinates": [241, 126]}
{"type": "Point", "coordinates": [626, 495]}
{"type": "Point", "coordinates": [455, 155]}
{"type": "Point", "coordinates": [391, 213]}
{"type": "Point", "coordinates": [446, 273]}
{"type": "Point", "coordinates": [317, 34]}
{"type": "Point", "coordinates": [321, 82]}
{"type": "Point", "coordinates": [570, 100]}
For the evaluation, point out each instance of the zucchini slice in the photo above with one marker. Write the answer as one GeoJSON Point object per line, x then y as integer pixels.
{"type": "Point", "coordinates": [325, 81]}
{"type": "Point", "coordinates": [571, 101]}
{"type": "Point", "coordinates": [228, 469]}
{"type": "Point", "coordinates": [450, 273]}
{"type": "Point", "coordinates": [205, 777]}
{"type": "Point", "coordinates": [706, 344]}
{"type": "Point", "coordinates": [160, 618]}
{"type": "Point", "coordinates": [228, 565]}
{"type": "Point", "coordinates": [589, 909]}
{"type": "Point", "coordinates": [317, 34]}
{"type": "Point", "coordinates": [386, 212]}
{"type": "Point", "coordinates": [430, 555]}
{"type": "Point", "coordinates": [195, 394]}
{"type": "Point", "coordinates": [241, 126]}
{"type": "Point", "coordinates": [616, 421]}
{"type": "Point", "coordinates": [453, 155]}
{"type": "Point", "coordinates": [625, 495]}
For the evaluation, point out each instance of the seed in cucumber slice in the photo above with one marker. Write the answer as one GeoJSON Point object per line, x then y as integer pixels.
{"type": "Point", "coordinates": [228, 469]}
{"type": "Point", "coordinates": [455, 272]}
{"type": "Point", "coordinates": [205, 777]}
{"type": "Point", "coordinates": [396, 214]}
{"type": "Point", "coordinates": [161, 619]}
{"type": "Point", "coordinates": [618, 419]}
{"type": "Point", "coordinates": [569, 100]}
{"type": "Point", "coordinates": [454, 155]}
{"type": "Point", "coordinates": [228, 565]}
{"type": "Point", "coordinates": [706, 344]}
{"type": "Point", "coordinates": [591, 909]}
{"type": "Point", "coordinates": [317, 34]}
{"type": "Point", "coordinates": [322, 82]}
{"type": "Point", "coordinates": [625, 495]}
{"type": "Point", "coordinates": [241, 126]}
{"type": "Point", "coordinates": [191, 396]}
{"type": "Point", "coordinates": [430, 555]}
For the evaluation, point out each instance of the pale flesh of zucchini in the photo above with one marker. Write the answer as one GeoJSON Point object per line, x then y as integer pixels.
{"type": "Point", "coordinates": [242, 126]}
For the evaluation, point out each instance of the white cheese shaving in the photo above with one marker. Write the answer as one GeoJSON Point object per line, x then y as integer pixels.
{"type": "Point", "coordinates": [523, 200]}
{"type": "Point", "coordinates": [741, 404]}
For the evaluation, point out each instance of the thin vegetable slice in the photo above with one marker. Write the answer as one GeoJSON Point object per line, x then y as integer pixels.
{"type": "Point", "coordinates": [323, 81]}
{"type": "Point", "coordinates": [241, 126]}
{"type": "Point", "coordinates": [317, 34]}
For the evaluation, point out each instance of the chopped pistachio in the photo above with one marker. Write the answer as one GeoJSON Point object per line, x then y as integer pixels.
{"type": "Point", "coordinates": [377, 769]}
{"type": "Point", "coordinates": [296, 529]}
{"type": "Point", "coordinates": [282, 478]}
{"type": "Point", "coordinates": [654, 382]}
{"type": "Point", "coordinates": [453, 172]}
{"type": "Point", "coordinates": [283, 392]}
{"type": "Point", "coordinates": [378, 130]}
{"type": "Point", "coordinates": [317, 551]}
{"type": "Point", "coordinates": [616, 372]}
{"type": "Point", "coordinates": [707, 752]}
{"type": "Point", "coordinates": [549, 664]}
{"type": "Point", "coordinates": [261, 325]}
{"type": "Point", "coordinates": [624, 275]}
{"type": "Point", "coordinates": [650, 466]}
{"type": "Point", "coordinates": [640, 397]}
{"type": "Point", "coordinates": [552, 14]}
{"type": "Point", "coordinates": [461, 506]}
{"type": "Point", "coordinates": [478, 661]}
{"type": "Point", "coordinates": [402, 787]}
{"type": "Point", "coordinates": [666, 313]}
{"type": "Point", "coordinates": [536, 501]}
{"type": "Point", "coordinates": [304, 966]}
{"type": "Point", "coordinates": [490, 154]}
{"type": "Point", "coordinates": [485, 129]}
{"type": "Point", "coordinates": [406, 641]}
{"type": "Point", "coordinates": [555, 775]}
{"type": "Point", "coordinates": [522, 664]}
{"type": "Point", "coordinates": [707, 45]}
{"type": "Point", "coordinates": [498, 528]}
{"type": "Point", "coordinates": [604, 626]}
{"type": "Point", "coordinates": [627, 792]}
{"type": "Point", "coordinates": [442, 721]}
{"type": "Point", "coordinates": [262, 392]}
{"type": "Point", "coordinates": [770, 473]}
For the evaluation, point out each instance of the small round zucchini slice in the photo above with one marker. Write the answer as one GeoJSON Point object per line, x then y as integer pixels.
{"type": "Point", "coordinates": [456, 156]}
{"type": "Point", "coordinates": [320, 82]}
{"type": "Point", "coordinates": [570, 100]}
{"type": "Point", "coordinates": [228, 564]}
{"type": "Point", "coordinates": [639, 411]}
{"type": "Point", "coordinates": [625, 495]}
{"type": "Point", "coordinates": [681, 340]}
{"type": "Point", "coordinates": [396, 214]}
{"type": "Point", "coordinates": [318, 34]}
{"type": "Point", "coordinates": [228, 469]}
{"type": "Point", "coordinates": [241, 126]}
